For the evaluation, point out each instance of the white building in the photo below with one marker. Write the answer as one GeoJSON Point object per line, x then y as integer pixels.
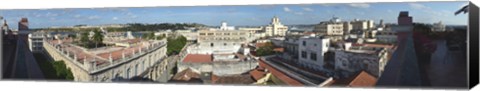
{"type": "Point", "coordinates": [35, 41]}
{"type": "Point", "coordinates": [332, 27]}
{"type": "Point", "coordinates": [219, 41]}
{"type": "Point", "coordinates": [369, 57]}
{"type": "Point", "coordinates": [362, 24]}
{"type": "Point", "coordinates": [226, 27]}
{"type": "Point", "coordinates": [276, 28]}
{"type": "Point", "coordinates": [438, 27]}
{"type": "Point", "coordinates": [311, 50]}
{"type": "Point", "coordinates": [386, 36]}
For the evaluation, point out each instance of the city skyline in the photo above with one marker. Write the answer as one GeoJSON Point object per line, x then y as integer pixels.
{"type": "Point", "coordinates": [245, 15]}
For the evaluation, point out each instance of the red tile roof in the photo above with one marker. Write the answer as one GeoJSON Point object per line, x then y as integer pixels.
{"type": "Point", "coordinates": [233, 79]}
{"type": "Point", "coordinates": [363, 80]}
{"type": "Point", "coordinates": [280, 75]}
{"type": "Point", "coordinates": [257, 45]}
{"type": "Point", "coordinates": [186, 75]}
{"type": "Point", "coordinates": [198, 58]}
{"type": "Point", "coordinates": [278, 49]}
{"type": "Point", "coordinates": [257, 74]}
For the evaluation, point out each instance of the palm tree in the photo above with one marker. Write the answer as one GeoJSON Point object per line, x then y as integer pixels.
{"type": "Point", "coordinates": [84, 38]}
{"type": "Point", "coordinates": [97, 38]}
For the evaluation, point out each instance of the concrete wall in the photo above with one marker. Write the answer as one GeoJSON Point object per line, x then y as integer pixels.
{"type": "Point", "coordinates": [350, 63]}
{"type": "Point", "coordinates": [220, 68]}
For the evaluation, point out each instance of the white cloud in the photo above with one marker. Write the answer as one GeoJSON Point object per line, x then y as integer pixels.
{"type": "Point", "coordinates": [115, 18]}
{"type": "Point", "coordinates": [286, 9]}
{"type": "Point", "coordinates": [308, 9]}
{"type": "Point", "coordinates": [418, 6]}
{"type": "Point", "coordinates": [298, 13]}
{"type": "Point", "coordinates": [77, 16]}
{"type": "Point", "coordinates": [390, 11]}
{"type": "Point", "coordinates": [51, 14]}
{"type": "Point", "coordinates": [94, 17]}
{"type": "Point", "coordinates": [359, 5]}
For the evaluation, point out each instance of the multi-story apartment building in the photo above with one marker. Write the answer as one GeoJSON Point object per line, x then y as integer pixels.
{"type": "Point", "coordinates": [35, 41]}
{"type": "Point", "coordinates": [276, 28]}
{"type": "Point", "coordinates": [332, 27]}
{"type": "Point", "coordinates": [362, 24]}
{"type": "Point", "coordinates": [369, 57]}
{"type": "Point", "coordinates": [224, 41]}
{"type": "Point", "coordinates": [311, 51]}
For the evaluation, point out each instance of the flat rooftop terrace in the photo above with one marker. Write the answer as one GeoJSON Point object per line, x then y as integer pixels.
{"type": "Point", "coordinates": [103, 55]}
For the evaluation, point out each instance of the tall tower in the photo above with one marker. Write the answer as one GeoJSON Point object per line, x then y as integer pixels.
{"type": "Point", "coordinates": [275, 21]}
{"type": "Point", "coordinates": [404, 18]}
{"type": "Point", "coordinates": [23, 24]}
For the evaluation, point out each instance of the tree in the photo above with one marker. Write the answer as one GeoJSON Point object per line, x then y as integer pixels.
{"type": "Point", "coordinates": [149, 35]}
{"type": "Point", "coordinates": [62, 71]}
{"type": "Point", "coordinates": [175, 45]}
{"type": "Point", "coordinates": [265, 50]}
{"type": "Point", "coordinates": [84, 39]}
{"type": "Point", "coordinates": [97, 38]}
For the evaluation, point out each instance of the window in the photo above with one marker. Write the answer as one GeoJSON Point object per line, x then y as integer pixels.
{"type": "Point", "coordinates": [211, 44]}
{"type": "Point", "coordinates": [136, 69]}
{"type": "Point", "coordinates": [313, 56]}
{"type": "Point", "coordinates": [210, 33]}
{"type": "Point", "coordinates": [304, 54]}
{"type": "Point", "coordinates": [226, 33]}
{"type": "Point", "coordinates": [202, 33]}
{"type": "Point", "coordinates": [304, 43]}
{"type": "Point", "coordinates": [224, 44]}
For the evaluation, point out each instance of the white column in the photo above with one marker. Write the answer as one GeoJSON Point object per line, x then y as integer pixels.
{"type": "Point", "coordinates": [85, 60]}
{"type": "Point", "coordinates": [68, 54]}
{"type": "Point", "coordinates": [110, 58]}
{"type": "Point", "coordinates": [74, 57]}
{"type": "Point", "coordinates": [123, 55]}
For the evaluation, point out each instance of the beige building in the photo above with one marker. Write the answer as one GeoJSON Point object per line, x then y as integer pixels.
{"type": "Point", "coordinates": [105, 64]}
{"type": "Point", "coordinates": [215, 41]}
{"type": "Point", "coordinates": [362, 24]}
{"type": "Point", "coordinates": [276, 28]}
{"type": "Point", "coordinates": [332, 27]}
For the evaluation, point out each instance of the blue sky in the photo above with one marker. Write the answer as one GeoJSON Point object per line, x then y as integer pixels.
{"type": "Point", "coordinates": [425, 12]}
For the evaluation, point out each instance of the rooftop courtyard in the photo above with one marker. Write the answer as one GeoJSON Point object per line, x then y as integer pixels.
{"type": "Point", "coordinates": [115, 50]}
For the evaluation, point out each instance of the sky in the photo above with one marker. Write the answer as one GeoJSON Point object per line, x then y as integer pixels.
{"type": "Point", "coordinates": [245, 15]}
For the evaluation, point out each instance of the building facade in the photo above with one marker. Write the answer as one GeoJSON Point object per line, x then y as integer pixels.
{"type": "Point", "coordinates": [35, 41]}
{"type": "Point", "coordinates": [332, 27]}
{"type": "Point", "coordinates": [358, 58]}
{"type": "Point", "coordinates": [311, 50]}
{"type": "Point", "coordinates": [219, 42]}
{"type": "Point", "coordinates": [107, 63]}
{"type": "Point", "coordinates": [276, 28]}
{"type": "Point", "coordinates": [362, 24]}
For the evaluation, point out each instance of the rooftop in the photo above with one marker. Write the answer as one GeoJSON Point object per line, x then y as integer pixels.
{"type": "Point", "coordinates": [361, 79]}
{"type": "Point", "coordinates": [198, 58]}
{"type": "Point", "coordinates": [233, 79]}
{"type": "Point", "coordinates": [101, 55]}
{"type": "Point", "coordinates": [257, 73]}
{"type": "Point", "coordinates": [186, 75]}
